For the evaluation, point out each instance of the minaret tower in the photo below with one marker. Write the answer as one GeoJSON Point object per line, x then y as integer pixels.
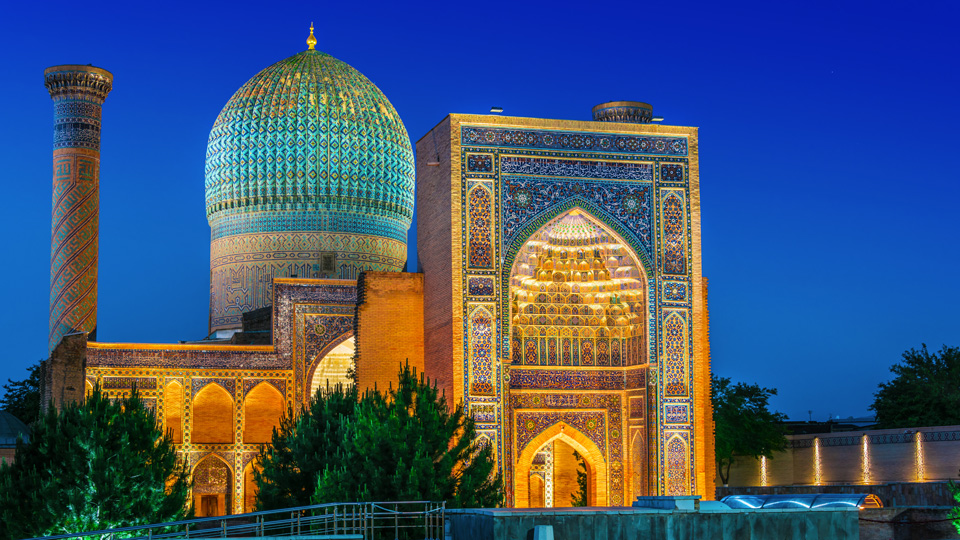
{"type": "Point", "coordinates": [78, 93]}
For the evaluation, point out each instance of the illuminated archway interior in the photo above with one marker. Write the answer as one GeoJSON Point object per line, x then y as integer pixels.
{"type": "Point", "coordinates": [547, 469]}
{"type": "Point", "coordinates": [577, 297]}
{"type": "Point", "coordinates": [335, 367]}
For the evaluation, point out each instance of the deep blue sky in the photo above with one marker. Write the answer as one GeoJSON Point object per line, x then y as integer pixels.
{"type": "Point", "coordinates": [828, 153]}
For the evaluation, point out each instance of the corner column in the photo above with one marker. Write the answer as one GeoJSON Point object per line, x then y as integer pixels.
{"type": "Point", "coordinates": [78, 93]}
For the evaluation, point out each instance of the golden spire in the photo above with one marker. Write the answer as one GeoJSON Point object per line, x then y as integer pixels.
{"type": "Point", "coordinates": [311, 41]}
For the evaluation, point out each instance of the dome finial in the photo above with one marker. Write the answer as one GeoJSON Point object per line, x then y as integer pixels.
{"type": "Point", "coordinates": [311, 41]}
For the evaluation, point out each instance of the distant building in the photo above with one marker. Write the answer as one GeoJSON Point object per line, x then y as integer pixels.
{"type": "Point", "coordinates": [561, 300]}
{"type": "Point", "coordinates": [11, 428]}
{"type": "Point", "coordinates": [830, 426]}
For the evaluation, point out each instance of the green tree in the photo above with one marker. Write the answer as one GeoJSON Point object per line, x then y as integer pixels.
{"type": "Point", "coordinates": [955, 511]}
{"type": "Point", "coordinates": [924, 392]}
{"type": "Point", "coordinates": [579, 498]}
{"type": "Point", "coordinates": [22, 398]}
{"type": "Point", "coordinates": [405, 444]}
{"type": "Point", "coordinates": [94, 465]}
{"type": "Point", "coordinates": [743, 424]}
{"type": "Point", "coordinates": [286, 471]}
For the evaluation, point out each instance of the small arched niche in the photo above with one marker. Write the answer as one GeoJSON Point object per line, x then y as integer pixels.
{"type": "Point", "coordinates": [173, 410]}
{"type": "Point", "coordinates": [262, 410]}
{"type": "Point", "coordinates": [213, 416]}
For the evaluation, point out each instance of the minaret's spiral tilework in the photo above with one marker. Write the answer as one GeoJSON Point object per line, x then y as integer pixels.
{"type": "Point", "coordinates": [309, 173]}
{"type": "Point", "coordinates": [78, 93]}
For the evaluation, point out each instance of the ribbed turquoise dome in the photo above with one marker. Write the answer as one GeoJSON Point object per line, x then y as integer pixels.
{"type": "Point", "coordinates": [309, 174]}
{"type": "Point", "coordinates": [311, 133]}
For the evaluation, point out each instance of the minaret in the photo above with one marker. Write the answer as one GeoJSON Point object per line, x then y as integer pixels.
{"type": "Point", "coordinates": [78, 93]}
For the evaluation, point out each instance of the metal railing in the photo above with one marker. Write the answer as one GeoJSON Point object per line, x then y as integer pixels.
{"type": "Point", "coordinates": [340, 521]}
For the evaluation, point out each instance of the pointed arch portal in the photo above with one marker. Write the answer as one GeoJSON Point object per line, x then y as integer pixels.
{"type": "Point", "coordinates": [597, 490]}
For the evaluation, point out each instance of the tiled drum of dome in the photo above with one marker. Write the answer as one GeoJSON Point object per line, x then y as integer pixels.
{"type": "Point", "coordinates": [307, 158]}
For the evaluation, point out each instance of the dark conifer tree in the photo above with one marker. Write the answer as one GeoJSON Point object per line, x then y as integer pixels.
{"type": "Point", "coordinates": [408, 445]}
{"type": "Point", "coordinates": [579, 498]}
{"type": "Point", "coordinates": [22, 398]}
{"type": "Point", "coordinates": [286, 471]}
{"type": "Point", "coordinates": [94, 465]}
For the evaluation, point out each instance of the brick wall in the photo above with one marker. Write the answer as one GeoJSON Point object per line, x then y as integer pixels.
{"type": "Point", "coordinates": [434, 237]}
{"type": "Point", "coordinates": [63, 374]}
{"type": "Point", "coordinates": [564, 474]}
{"type": "Point", "coordinates": [389, 326]}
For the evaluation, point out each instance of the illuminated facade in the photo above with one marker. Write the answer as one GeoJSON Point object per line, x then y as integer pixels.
{"type": "Point", "coordinates": [576, 296]}
{"type": "Point", "coordinates": [561, 275]}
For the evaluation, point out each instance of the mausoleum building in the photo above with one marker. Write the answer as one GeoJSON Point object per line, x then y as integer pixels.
{"type": "Point", "coordinates": [560, 296]}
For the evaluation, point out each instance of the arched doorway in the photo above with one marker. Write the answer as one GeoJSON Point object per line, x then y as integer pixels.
{"type": "Point", "coordinates": [334, 368]}
{"type": "Point", "coordinates": [564, 440]}
{"type": "Point", "coordinates": [212, 486]}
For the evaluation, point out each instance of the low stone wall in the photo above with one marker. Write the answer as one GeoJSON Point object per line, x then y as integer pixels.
{"type": "Point", "coordinates": [637, 524]}
{"type": "Point", "coordinates": [906, 523]}
{"type": "Point", "coordinates": [897, 494]}
{"type": "Point", "coordinates": [881, 456]}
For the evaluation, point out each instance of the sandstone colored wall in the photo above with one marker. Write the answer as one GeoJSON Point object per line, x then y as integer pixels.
{"type": "Point", "coordinates": [872, 457]}
{"type": "Point", "coordinates": [434, 237]}
{"type": "Point", "coordinates": [564, 474]}
{"type": "Point", "coordinates": [389, 327]}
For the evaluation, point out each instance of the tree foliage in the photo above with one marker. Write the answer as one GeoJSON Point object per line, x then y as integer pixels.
{"type": "Point", "coordinates": [924, 392]}
{"type": "Point", "coordinates": [954, 513]}
{"type": "Point", "coordinates": [94, 465]}
{"type": "Point", "coordinates": [405, 444]}
{"type": "Point", "coordinates": [286, 471]}
{"type": "Point", "coordinates": [744, 426]}
{"type": "Point", "coordinates": [579, 497]}
{"type": "Point", "coordinates": [22, 398]}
